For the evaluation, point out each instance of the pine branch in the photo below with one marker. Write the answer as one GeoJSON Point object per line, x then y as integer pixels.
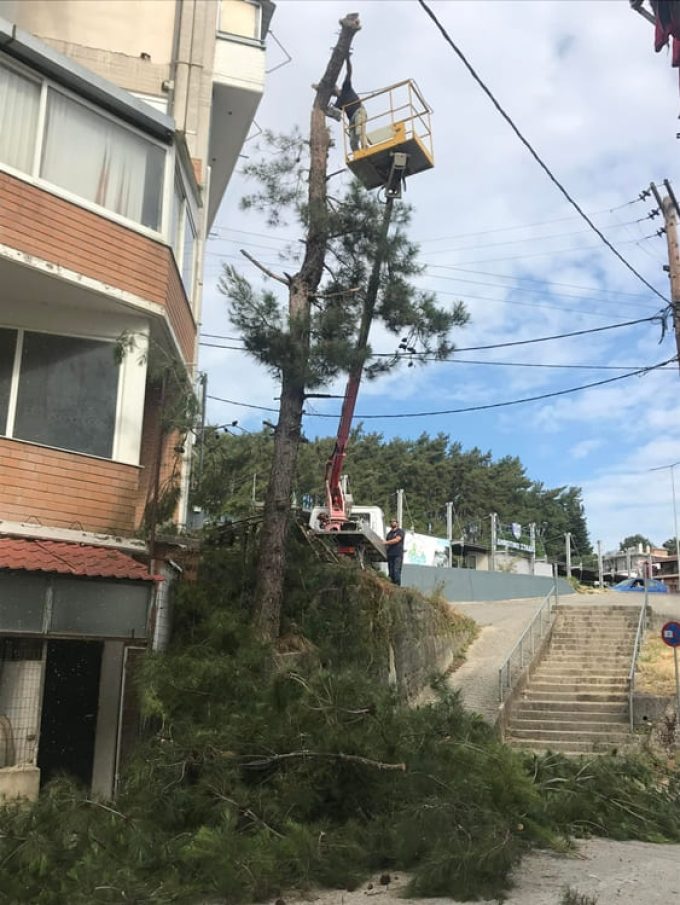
{"type": "Point", "coordinates": [270, 273]}
{"type": "Point", "coordinates": [247, 812]}
{"type": "Point", "coordinates": [334, 755]}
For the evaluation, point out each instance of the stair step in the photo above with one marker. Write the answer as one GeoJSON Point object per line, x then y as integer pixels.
{"type": "Point", "coordinates": [570, 670]}
{"type": "Point", "coordinates": [599, 708]}
{"type": "Point", "coordinates": [584, 728]}
{"type": "Point", "coordinates": [569, 748]}
{"type": "Point", "coordinates": [558, 682]}
{"type": "Point", "coordinates": [562, 697]}
{"type": "Point", "coordinates": [616, 736]}
{"type": "Point", "coordinates": [572, 715]}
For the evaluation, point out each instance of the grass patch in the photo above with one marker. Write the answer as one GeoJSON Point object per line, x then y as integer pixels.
{"type": "Point", "coordinates": [655, 668]}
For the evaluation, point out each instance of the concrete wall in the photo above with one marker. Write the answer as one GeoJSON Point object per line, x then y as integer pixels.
{"type": "Point", "coordinates": [422, 644]}
{"type": "Point", "coordinates": [470, 584]}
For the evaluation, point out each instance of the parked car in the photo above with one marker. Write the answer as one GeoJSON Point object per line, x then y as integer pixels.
{"type": "Point", "coordinates": [654, 586]}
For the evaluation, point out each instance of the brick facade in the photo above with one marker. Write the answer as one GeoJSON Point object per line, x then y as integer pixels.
{"type": "Point", "coordinates": [38, 223]}
{"type": "Point", "coordinates": [50, 487]}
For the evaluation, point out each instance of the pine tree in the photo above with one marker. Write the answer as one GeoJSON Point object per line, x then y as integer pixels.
{"type": "Point", "coordinates": [312, 337]}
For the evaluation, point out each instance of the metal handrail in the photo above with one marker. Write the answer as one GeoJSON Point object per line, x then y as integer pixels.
{"type": "Point", "coordinates": [505, 672]}
{"type": "Point", "coordinates": [639, 638]}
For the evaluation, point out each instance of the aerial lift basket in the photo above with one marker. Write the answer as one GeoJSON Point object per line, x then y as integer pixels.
{"type": "Point", "coordinates": [397, 122]}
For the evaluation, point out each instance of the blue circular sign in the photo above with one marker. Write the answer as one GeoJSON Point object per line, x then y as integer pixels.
{"type": "Point", "coordinates": [670, 634]}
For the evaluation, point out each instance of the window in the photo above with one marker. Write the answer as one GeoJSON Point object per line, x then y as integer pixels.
{"type": "Point", "coordinates": [19, 103]}
{"type": "Point", "coordinates": [183, 236]}
{"type": "Point", "coordinates": [79, 149]}
{"type": "Point", "coordinates": [66, 394]}
{"type": "Point", "coordinates": [8, 340]}
{"type": "Point", "coordinates": [240, 18]}
{"type": "Point", "coordinates": [121, 171]}
{"type": "Point", "coordinates": [188, 255]}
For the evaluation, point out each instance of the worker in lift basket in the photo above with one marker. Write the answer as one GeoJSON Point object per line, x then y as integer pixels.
{"type": "Point", "coordinates": [395, 551]}
{"type": "Point", "coordinates": [349, 101]}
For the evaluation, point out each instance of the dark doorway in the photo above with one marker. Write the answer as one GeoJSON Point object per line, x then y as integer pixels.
{"type": "Point", "coordinates": [69, 712]}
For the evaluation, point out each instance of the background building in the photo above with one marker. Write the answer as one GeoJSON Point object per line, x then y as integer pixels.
{"type": "Point", "coordinates": [120, 125]}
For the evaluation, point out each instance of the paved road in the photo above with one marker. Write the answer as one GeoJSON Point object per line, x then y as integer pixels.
{"type": "Point", "coordinates": [503, 622]}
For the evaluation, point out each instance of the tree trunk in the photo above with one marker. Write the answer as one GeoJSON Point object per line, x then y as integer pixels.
{"type": "Point", "coordinates": [272, 551]}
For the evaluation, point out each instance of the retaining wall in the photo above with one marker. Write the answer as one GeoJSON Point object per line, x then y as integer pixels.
{"type": "Point", "coordinates": [470, 585]}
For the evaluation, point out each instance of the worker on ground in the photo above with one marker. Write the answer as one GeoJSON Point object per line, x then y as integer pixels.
{"type": "Point", "coordinates": [395, 551]}
{"type": "Point", "coordinates": [348, 100]}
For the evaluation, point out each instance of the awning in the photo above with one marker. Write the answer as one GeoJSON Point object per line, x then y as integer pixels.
{"type": "Point", "coordinates": [62, 558]}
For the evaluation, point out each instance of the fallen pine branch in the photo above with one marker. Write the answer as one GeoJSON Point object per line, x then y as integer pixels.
{"type": "Point", "coordinates": [261, 762]}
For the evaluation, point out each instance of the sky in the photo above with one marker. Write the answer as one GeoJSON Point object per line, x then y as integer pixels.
{"type": "Point", "coordinates": [581, 80]}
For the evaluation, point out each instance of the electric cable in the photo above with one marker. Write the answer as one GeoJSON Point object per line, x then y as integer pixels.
{"type": "Point", "coordinates": [497, 405]}
{"type": "Point", "coordinates": [519, 342]}
{"type": "Point", "coordinates": [471, 408]}
{"type": "Point", "coordinates": [533, 152]}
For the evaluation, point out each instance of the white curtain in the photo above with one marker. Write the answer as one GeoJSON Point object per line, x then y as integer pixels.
{"type": "Point", "coordinates": [101, 161]}
{"type": "Point", "coordinates": [19, 102]}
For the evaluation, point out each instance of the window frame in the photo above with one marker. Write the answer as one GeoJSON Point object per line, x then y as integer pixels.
{"type": "Point", "coordinates": [7, 430]}
{"type": "Point", "coordinates": [188, 209]}
{"type": "Point", "coordinates": [238, 38]}
{"type": "Point", "coordinates": [34, 178]}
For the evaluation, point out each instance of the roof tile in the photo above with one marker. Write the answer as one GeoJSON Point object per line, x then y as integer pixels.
{"type": "Point", "coordinates": [66, 558]}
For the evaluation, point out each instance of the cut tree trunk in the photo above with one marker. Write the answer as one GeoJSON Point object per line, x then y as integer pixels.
{"type": "Point", "coordinates": [303, 286]}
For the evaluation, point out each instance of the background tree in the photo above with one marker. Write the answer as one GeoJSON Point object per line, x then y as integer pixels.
{"type": "Point", "coordinates": [634, 540]}
{"type": "Point", "coordinates": [670, 545]}
{"type": "Point", "coordinates": [431, 470]}
{"type": "Point", "coordinates": [310, 338]}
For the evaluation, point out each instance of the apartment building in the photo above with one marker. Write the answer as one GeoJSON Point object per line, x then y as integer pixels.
{"type": "Point", "coordinates": [120, 125]}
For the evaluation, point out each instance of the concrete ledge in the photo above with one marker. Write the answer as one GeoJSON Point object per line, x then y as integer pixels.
{"type": "Point", "coordinates": [19, 782]}
{"type": "Point", "coordinates": [649, 709]}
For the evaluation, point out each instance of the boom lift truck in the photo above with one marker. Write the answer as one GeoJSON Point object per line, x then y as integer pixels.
{"type": "Point", "coordinates": [397, 143]}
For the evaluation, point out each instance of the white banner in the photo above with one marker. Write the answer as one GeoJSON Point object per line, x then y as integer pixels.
{"type": "Point", "coordinates": [423, 550]}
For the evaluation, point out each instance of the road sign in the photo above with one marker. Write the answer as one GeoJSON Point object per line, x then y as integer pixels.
{"type": "Point", "coordinates": [670, 634]}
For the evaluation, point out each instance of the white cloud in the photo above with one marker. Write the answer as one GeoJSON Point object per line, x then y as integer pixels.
{"type": "Point", "coordinates": [600, 107]}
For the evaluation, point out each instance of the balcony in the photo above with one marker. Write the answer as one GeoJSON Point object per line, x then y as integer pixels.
{"type": "Point", "coordinates": [238, 84]}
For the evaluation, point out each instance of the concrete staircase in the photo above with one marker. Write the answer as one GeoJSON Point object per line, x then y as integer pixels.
{"type": "Point", "coordinates": [576, 700]}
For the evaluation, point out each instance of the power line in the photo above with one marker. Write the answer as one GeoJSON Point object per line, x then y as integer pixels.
{"type": "Point", "coordinates": [519, 342]}
{"type": "Point", "coordinates": [245, 405]}
{"type": "Point", "coordinates": [533, 152]}
{"type": "Point", "coordinates": [465, 296]}
{"type": "Point", "coordinates": [543, 339]}
{"type": "Point", "coordinates": [471, 408]}
{"type": "Point", "coordinates": [531, 364]}
{"type": "Point", "coordinates": [542, 238]}
{"type": "Point", "coordinates": [496, 405]}
{"type": "Point", "coordinates": [547, 283]}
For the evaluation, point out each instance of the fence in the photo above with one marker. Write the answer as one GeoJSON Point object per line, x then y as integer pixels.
{"type": "Point", "coordinates": [523, 652]}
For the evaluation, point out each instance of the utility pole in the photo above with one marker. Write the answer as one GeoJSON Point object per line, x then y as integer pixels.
{"type": "Point", "coordinates": [492, 559]}
{"type": "Point", "coordinates": [400, 507]}
{"type": "Point", "coordinates": [669, 208]}
{"type": "Point", "coordinates": [567, 541]}
{"type": "Point", "coordinates": [671, 468]}
{"type": "Point", "coordinates": [600, 568]}
{"type": "Point", "coordinates": [532, 544]}
{"type": "Point", "coordinates": [449, 532]}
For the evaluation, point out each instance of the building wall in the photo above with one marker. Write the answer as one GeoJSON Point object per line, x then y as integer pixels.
{"type": "Point", "coordinates": [129, 27]}
{"type": "Point", "coordinates": [39, 223]}
{"type": "Point", "coordinates": [65, 490]}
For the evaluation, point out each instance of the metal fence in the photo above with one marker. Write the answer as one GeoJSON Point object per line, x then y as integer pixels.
{"type": "Point", "coordinates": [523, 653]}
{"type": "Point", "coordinates": [639, 638]}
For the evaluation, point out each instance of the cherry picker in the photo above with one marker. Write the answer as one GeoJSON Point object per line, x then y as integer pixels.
{"type": "Point", "coordinates": [396, 142]}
